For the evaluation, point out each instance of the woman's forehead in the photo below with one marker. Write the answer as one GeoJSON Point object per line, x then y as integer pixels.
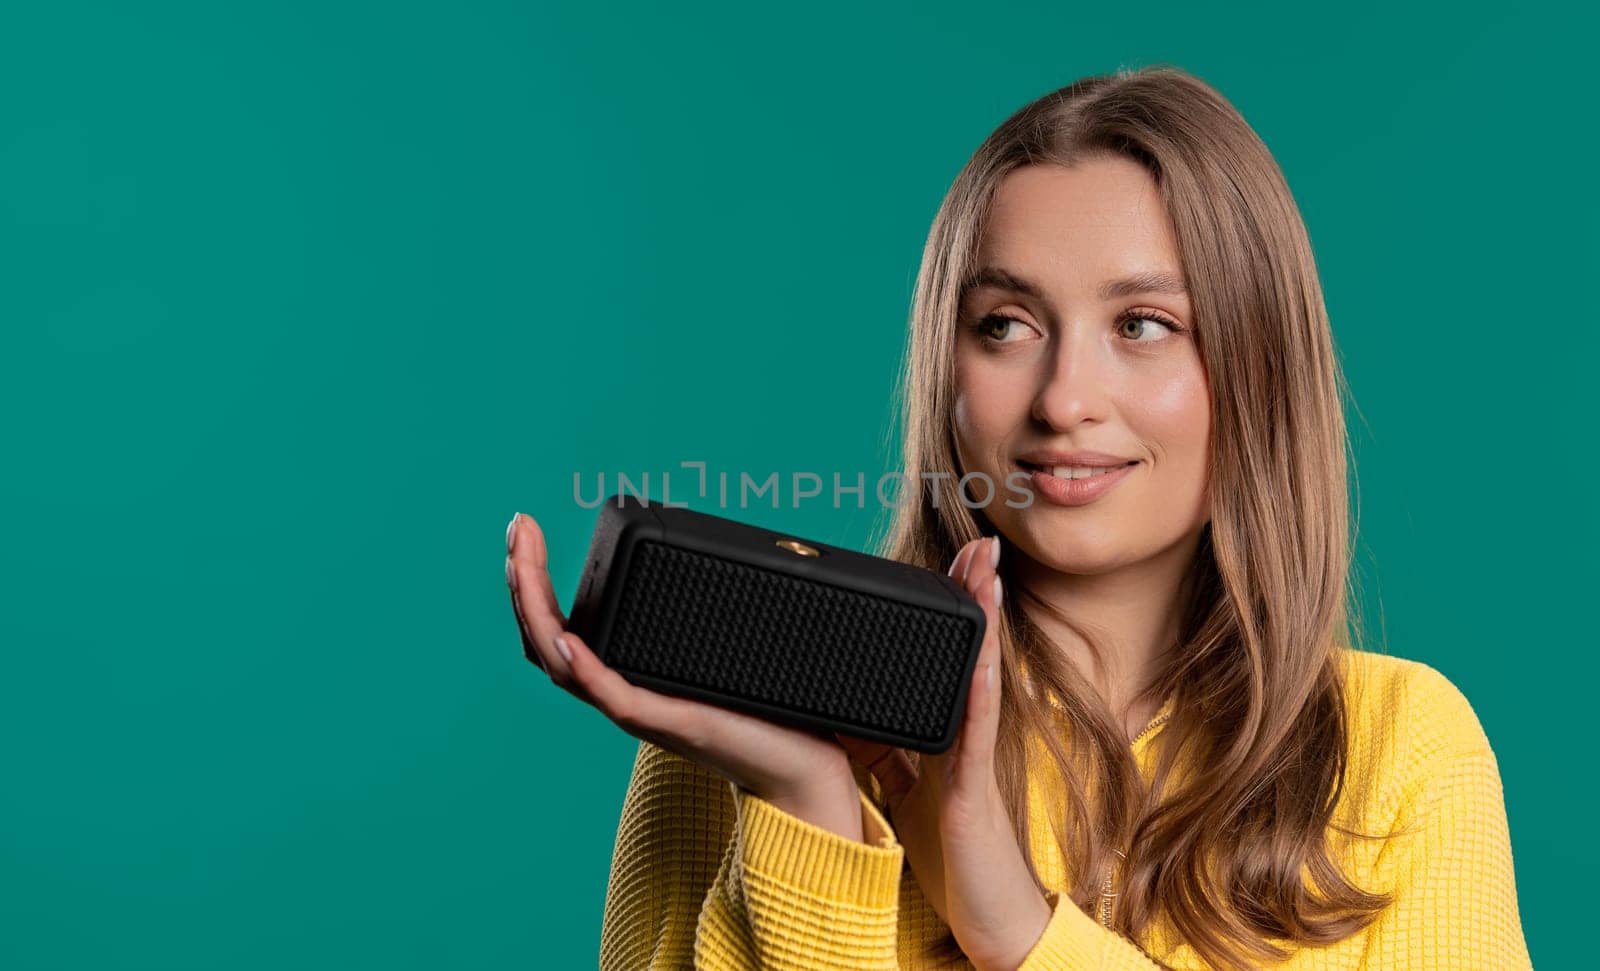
{"type": "Point", "coordinates": [1084, 225]}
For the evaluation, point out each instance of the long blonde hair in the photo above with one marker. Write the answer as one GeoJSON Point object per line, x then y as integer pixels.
{"type": "Point", "coordinates": [1254, 674]}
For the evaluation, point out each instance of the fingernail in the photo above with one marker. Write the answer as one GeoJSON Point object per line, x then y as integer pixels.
{"type": "Point", "coordinates": [563, 649]}
{"type": "Point", "coordinates": [994, 555]}
{"type": "Point", "coordinates": [511, 574]}
{"type": "Point", "coordinates": [511, 533]}
{"type": "Point", "coordinates": [997, 591]}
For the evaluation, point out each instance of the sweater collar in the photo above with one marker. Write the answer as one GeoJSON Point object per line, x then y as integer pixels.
{"type": "Point", "coordinates": [1152, 728]}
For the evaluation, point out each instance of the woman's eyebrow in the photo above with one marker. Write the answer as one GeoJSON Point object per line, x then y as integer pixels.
{"type": "Point", "coordinates": [1152, 281]}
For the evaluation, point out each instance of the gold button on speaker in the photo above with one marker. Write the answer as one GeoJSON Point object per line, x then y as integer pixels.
{"type": "Point", "coordinates": [794, 546]}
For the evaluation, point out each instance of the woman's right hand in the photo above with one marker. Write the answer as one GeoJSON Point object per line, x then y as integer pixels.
{"type": "Point", "coordinates": [806, 774]}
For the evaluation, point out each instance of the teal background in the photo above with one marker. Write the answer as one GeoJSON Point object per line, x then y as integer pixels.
{"type": "Point", "coordinates": [301, 301]}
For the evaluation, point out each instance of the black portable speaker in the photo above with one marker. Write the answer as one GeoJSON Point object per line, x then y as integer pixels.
{"type": "Point", "coordinates": [788, 629]}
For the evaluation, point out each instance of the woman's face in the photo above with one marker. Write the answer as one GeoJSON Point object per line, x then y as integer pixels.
{"type": "Point", "coordinates": [1071, 340]}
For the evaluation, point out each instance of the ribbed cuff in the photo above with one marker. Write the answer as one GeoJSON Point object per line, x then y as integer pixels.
{"type": "Point", "coordinates": [817, 861]}
{"type": "Point", "coordinates": [1070, 940]}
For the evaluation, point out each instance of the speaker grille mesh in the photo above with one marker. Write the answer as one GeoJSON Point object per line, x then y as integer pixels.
{"type": "Point", "coordinates": [696, 619]}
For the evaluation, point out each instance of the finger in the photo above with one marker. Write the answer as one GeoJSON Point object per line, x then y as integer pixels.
{"type": "Point", "coordinates": [532, 649]}
{"type": "Point", "coordinates": [958, 568]}
{"type": "Point", "coordinates": [527, 567]}
{"type": "Point", "coordinates": [981, 566]}
{"type": "Point", "coordinates": [528, 537]}
{"type": "Point", "coordinates": [890, 765]}
{"type": "Point", "coordinates": [980, 728]}
{"type": "Point", "coordinates": [982, 561]}
{"type": "Point", "coordinates": [529, 649]}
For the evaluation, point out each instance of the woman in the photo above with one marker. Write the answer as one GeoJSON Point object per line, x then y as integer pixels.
{"type": "Point", "coordinates": [1174, 755]}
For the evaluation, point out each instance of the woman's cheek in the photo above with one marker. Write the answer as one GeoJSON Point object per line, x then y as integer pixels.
{"type": "Point", "coordinates": [1176, 404]}
{"type": "Point", "coordinates": [968, 441]}
{"type": "Point", "coordinates": [1175, 417]}
{"type": "Point", "coordinates": [981, 426]}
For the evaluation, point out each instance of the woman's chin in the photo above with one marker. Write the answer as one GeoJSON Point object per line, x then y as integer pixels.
{"type": "Point", "coordinates": [1074, 550]}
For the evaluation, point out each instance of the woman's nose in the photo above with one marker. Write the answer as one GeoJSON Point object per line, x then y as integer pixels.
{"type": "Point", "coordinates": [1073, 388]}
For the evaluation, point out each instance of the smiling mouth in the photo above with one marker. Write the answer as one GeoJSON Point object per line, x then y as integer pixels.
{"type": "Point", "coordinates": [1073, 472]}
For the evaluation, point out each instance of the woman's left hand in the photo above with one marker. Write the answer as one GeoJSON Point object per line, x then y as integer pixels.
{"type": "Point", "coordinates": [948, 813]}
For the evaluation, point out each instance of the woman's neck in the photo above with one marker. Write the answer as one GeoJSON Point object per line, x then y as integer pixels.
{"type": "Point", "coordinates": [1135, 610]}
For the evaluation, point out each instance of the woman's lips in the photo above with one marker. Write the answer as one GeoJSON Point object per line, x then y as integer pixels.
{"type": "Point", "coordinates": [1074, 492]}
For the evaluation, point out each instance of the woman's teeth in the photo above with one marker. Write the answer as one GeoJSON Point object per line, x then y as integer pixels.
{"type": "Point", "coordinates": [1081, 472]}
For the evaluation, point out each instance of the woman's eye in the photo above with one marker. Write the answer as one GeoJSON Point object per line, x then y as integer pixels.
{"type": "Point", "coordinates": [1000, 328]}
{"type": "Point", "coordinates": [1142, 321]}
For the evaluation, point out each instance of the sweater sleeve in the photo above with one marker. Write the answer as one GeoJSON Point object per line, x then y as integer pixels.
{"type": "Point", "coordinates": [707, 875]}
{"type": "Point", "coordinates": [1073, 941]}
{"type": "Point", "coordinates": [676, 820]}
{"type": "Point", "coordinates": [1455, 888]}
{"type": "Point", "coordinates": [792, 896]}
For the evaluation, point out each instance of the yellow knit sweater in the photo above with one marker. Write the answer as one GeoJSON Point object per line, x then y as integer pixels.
{"type": "Point", "coordinates": [706, 875]}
